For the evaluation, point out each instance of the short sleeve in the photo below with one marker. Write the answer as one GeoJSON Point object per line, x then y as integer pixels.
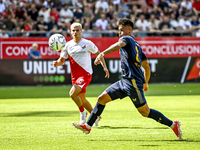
{"type": "Point", "coordinates": [64, 54]}
{"type": "Point", "coordinates": [144, 57]}
{"type": "Point", "coordinates": [123, 39]}
{"type": "Point", "coordinates": [93, 48]}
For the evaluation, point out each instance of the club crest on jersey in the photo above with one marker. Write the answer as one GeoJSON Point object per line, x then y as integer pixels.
{"type": "Point", "coordinates": [84, 46]}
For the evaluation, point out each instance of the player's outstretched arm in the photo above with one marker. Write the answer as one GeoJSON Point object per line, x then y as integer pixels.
{"type": "Point", "coordinates": [59, 62]}
{"type": "Point", "coordinates": [109, 50]}
{"type": "Point", "coordinates": [147, 73]}
{"type": "Point", "coordinates": [103, 63]}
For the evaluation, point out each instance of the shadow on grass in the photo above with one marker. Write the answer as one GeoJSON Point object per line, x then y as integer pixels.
{"type": "Point", "coordinates": [161, 140]}
{"type": "Point", "coordinates": [149, 145]}
{"type": "Point", "coordinates": [174, 140]}
{"type": "Point", "coordinates": [183, 140]}
{"type": "Point", "coordinates": [109, 127]}
{"type": "Point", "coordinates": [41, 114]}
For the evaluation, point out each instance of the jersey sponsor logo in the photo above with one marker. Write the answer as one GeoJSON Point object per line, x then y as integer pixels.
{"type": "Point", "coordinates": [195, 71]}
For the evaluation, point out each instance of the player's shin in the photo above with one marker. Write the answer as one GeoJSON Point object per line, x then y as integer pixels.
{"type": "Point", "coordinates": [97, 111]}
{"type": "Point", "coordinates": [159, 117]}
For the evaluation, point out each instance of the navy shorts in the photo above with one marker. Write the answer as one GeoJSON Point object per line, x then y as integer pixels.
{"type": "Point", "coordinates": [127, 87]}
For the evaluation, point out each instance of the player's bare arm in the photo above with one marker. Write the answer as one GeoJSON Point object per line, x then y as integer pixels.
{"type": "Point", "coordinates": [102, 60]}
{"type": "Point", "coordinates": [59, 62]}
{"type": "Point", "coordinates": [147, 74]}
{"type": "Point", "coordinates": [109, 50]}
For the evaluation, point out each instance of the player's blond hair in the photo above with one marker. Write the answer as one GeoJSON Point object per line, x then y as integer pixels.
{"type": "Point", "coordinates": [35, 45]}
{"type": "Point", "coordinates": [76, 24]}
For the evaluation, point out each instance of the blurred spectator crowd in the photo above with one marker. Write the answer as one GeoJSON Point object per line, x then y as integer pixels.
{"type": "Point", "coordinates": [150, 17]}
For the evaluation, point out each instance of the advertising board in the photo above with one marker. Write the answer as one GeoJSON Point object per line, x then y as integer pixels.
{"type": "Point", "coordinates": [18, 48]}
{"type": "Point", "coordinates": [42, 72]}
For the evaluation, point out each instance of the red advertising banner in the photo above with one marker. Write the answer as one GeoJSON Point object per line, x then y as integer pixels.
{"type": "Point", "coordinates": [170, 47]}
{"type": "Point", "coordinates": [18, 48]}
{"type": "Point", "coordinates": [154, 47]}
{"type": "Point", "coordinates": [195, 71]}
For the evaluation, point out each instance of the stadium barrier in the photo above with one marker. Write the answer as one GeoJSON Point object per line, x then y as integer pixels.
{"type": "Point", "coordinates": [170, 59]}
{"type": "Point", "coordinates": [105, 33]}
{"type": "Point", "coordinates": [18, 48]}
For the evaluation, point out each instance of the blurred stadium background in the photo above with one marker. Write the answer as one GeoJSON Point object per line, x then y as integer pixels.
{"type": "Point", "coordinates": [167, 30]}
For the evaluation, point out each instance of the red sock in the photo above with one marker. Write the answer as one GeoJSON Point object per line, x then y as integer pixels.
{"type": "Point", "coordinates": [81, 109]}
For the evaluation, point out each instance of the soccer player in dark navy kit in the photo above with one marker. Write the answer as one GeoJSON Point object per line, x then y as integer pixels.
{"type": "Point", "coordinates": [133, 83]}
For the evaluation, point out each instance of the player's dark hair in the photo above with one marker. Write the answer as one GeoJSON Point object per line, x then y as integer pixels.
{"type": "Point", "coordinates": [125, 22]}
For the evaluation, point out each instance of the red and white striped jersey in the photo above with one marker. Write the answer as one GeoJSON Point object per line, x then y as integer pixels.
{"type": "Point", "coordinates": [79, 55]}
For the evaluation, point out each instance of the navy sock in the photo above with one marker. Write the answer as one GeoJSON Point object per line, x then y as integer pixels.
{"type": "Point", "coordinates": [159, 117]}
{"type": "Point", "coordinates": [98, 109]}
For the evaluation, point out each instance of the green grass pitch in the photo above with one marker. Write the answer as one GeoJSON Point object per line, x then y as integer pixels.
{"type": "Point", "coordinates": [39, 118]}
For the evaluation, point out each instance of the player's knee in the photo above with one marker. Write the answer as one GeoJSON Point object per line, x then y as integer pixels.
{"type": "Point", "coordinates": [72, 94]}
{"type": "Point", "coordinates": [103, 99]}
{"type": "Point", "coordinates": [144, 110]}
{"type": "Point", "coordinates": [144, 113]}
{"type": "Point", "coordinates": [100, 99]}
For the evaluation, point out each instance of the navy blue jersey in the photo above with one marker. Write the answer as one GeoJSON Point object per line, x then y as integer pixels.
{"type": "Point", "coordinates": [144, 57]}
{"type": "Point", "coordinates": [131, 58]}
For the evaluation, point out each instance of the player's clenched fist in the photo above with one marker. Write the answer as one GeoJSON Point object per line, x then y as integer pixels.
{"type": "Point", "coordinates": [55, 63]}
{"type": "Point", "coordinates": [98, 59]}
